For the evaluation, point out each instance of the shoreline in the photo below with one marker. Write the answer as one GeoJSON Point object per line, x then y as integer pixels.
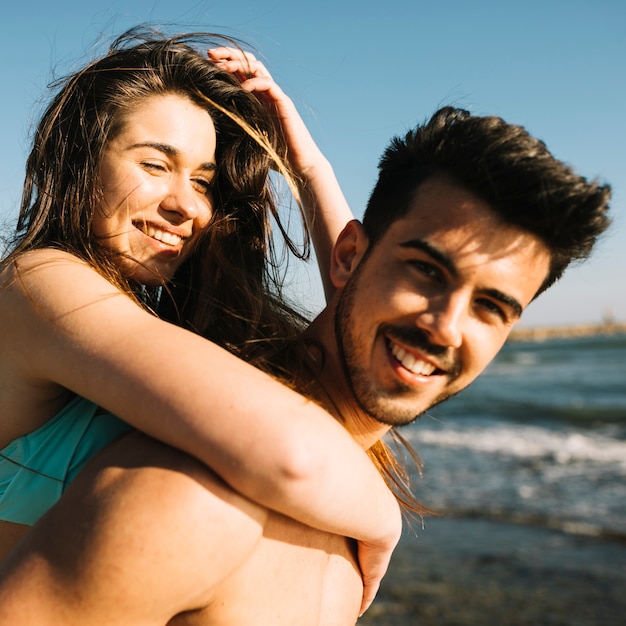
{"type": "Point", "coordinates": [564, 332]}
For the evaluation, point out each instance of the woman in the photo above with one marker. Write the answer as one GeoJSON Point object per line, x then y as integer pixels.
{"type": "Point", "coordinates": [147, 199]}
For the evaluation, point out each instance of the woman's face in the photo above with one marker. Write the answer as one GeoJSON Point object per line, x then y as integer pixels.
{"type": "Point", "coordinates": [156, 175]}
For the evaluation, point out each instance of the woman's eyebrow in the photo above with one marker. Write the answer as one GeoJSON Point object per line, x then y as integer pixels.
{"type": "Point", "coordinates": [170, 151]}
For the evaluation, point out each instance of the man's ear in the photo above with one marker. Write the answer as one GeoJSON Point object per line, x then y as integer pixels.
{"type": "Point", "coordinates": [347, 253]}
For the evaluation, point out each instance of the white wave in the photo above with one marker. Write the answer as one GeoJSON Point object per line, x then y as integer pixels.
{"type": "Point", "coordinates": [529, 442]}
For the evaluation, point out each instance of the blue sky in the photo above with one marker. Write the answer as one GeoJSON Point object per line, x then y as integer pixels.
{"type": "Point", "coordinates": [361, 72]}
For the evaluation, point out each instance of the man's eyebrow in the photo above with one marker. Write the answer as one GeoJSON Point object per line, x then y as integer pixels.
{"type": "Point", "coordinates": [171, 151]}
{"type": "Point", "coordinates": [443, 259]}
{"type": "Point", "coordinates": [437, 255]}
{"type": "Point", "coordinates": [510, 301]}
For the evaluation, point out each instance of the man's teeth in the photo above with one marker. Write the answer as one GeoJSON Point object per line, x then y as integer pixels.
{"type": "Point", "coordinates": [409, 362]}
{"type": "Point", "coordinates": [169, 239]}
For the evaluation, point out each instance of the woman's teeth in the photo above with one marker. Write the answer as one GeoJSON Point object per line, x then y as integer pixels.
{"type": "Point", "coordinates": [169, 239]}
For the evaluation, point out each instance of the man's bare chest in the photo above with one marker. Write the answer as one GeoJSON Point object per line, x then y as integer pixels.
{"type": "Point", "coordinates": [296, 575]}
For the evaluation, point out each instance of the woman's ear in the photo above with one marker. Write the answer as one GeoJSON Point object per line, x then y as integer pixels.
{"type": "Point", "coordinates": [347, 253]}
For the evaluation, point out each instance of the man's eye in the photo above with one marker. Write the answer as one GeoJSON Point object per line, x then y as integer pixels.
{"type": "Point", "coordinates": [427, 269]}
{"type": "Point", "coordinates": [493, 308]}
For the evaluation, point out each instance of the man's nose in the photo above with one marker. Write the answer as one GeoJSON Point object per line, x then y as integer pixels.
{"type": "Point", "coordinates": [444, 319]}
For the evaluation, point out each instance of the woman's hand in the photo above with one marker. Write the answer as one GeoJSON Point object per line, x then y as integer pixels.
{"type": "Point", "coordinates": [254, 77]}
{"type": "Point", "coordinates": [374, 561]}
{"type": "Point", "coordinates": [325, 207]}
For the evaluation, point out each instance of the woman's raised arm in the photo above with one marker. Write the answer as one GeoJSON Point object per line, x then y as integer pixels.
{"type": "Point", "coordinates": [325, 207]}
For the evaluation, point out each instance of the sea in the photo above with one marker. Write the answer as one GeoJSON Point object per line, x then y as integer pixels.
{"type": "Point", "coordinates": [526, 470]}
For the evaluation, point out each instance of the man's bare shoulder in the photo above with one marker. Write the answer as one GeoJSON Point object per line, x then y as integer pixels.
{"type": "Point", "coordinates": [280, 572]}
{"type": "Point", "coordinates": [144, 529]}
{"type": "Point", "coordinates": [140, 483]}
{"type": "Point", "coordinates": [155, 473]}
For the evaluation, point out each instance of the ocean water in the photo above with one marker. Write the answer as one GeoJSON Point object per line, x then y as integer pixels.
{"type": "Point", "coordinates": [527, 468]}
{"type": "Point", "coordinates": [539, 438]}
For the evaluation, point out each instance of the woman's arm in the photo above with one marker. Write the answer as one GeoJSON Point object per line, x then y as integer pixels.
{"type": "Point", "coordinates": [65, 324]}
{"type": "Point", "coordinates": [323, 202]}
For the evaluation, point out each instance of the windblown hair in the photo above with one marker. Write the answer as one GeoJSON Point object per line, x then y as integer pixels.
{"type": "Point", "coordinates": [62, 188]}
{"type": "Point", "coordinates": [513, 172]}
{"type": "Point", "coordinates": [230, 289]}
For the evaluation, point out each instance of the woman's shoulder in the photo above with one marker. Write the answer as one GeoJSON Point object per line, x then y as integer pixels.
{"type": "Point", "coordinates": [39, 289]}
{"type": "Point", "coordinates": [48, 270]}
{"type": "Point", "coordinates": [36, 264]}
{"type": "Point", "coordinates": [32, 259]}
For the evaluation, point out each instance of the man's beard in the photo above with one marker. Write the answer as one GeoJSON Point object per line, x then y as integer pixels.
{"type": "Point", "coordinates": [386, 407]}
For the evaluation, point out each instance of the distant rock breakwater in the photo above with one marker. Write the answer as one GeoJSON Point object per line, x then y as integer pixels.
{"type": "Point", "coordinates": [563, 332]}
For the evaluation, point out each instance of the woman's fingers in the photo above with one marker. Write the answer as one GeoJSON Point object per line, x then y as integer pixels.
{"type": "Point", "coordinates": [238, 61]}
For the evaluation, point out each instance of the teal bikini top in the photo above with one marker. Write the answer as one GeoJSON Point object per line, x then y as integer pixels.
{"type": "Point", "coordinates": [36, 468]}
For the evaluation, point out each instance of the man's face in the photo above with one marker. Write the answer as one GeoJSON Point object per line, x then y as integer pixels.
{"type": "Point", "coordinates": [431, 304]}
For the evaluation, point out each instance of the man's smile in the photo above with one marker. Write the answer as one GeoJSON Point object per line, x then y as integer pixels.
{"type": "Point", "coordinates": [411, 363]}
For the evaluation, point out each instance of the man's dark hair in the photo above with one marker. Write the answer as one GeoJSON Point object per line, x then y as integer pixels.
{"type": "Point", "coordinates": [501, 163]}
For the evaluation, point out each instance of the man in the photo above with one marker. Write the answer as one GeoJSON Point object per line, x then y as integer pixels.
{"type": "Point", "coordinates": [470, 220]}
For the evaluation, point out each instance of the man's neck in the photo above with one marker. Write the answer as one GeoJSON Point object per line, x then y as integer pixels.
{"type": "Point", "coordinates": [332, 388]}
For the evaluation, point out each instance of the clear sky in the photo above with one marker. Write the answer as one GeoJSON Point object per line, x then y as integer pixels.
{"type": "Point", "coordinates": [362, 72]}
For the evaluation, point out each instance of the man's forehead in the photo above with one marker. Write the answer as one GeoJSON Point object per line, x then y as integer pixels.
{"type": "Point", "coordinates": [439, 206]}
{"type": "Point", "coordinates": [460, 231]}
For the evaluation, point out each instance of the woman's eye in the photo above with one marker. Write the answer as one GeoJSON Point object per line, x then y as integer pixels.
{"type": "Point", "coordinates": [204, 186]}
{"type": "Point", "coordinates": [150, 165]}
